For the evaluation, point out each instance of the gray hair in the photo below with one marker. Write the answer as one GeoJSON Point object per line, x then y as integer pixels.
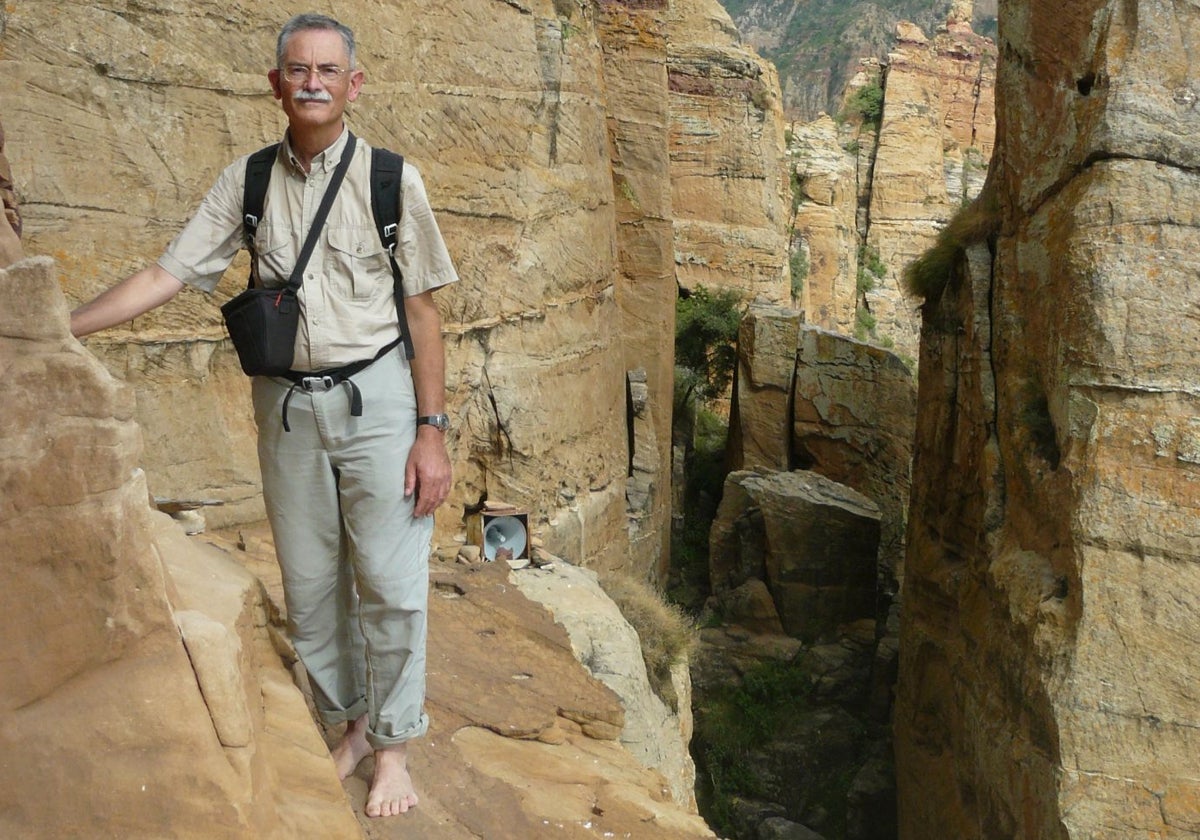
{"type": "Point", "coordinates": [307, 21]}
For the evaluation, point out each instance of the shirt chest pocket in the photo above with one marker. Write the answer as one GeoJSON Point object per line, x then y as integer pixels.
{"type": "Point", "coordinates": [276, 256]}
{"type": "Point", "coordinates": [358, 265]}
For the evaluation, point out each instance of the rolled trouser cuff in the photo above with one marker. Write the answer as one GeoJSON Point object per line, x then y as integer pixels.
{"type": "Point", "coordinates": [380, 741]}
{"type": "Point", "coordinates": [333, 717]}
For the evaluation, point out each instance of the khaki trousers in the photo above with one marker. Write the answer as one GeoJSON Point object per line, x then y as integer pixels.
{"type": "Point", "coordinates": [355, 561]}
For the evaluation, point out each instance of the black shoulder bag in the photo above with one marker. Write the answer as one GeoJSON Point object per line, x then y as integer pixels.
{"type": "Point", "coordinates": [262, 323]}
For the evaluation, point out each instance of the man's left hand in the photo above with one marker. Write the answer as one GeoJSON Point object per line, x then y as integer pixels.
{"type": "Point", "coordinates": [427, 472]}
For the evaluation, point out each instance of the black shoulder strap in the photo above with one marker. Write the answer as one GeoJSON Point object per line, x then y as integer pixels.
{"type": "Point", "coordinates": [387, 167]}
{"type": "Point", "coordinates": [258, 177]}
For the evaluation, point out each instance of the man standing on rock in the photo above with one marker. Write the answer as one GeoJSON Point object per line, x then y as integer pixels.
{"type": "Point", "coordinates": [350, 498]}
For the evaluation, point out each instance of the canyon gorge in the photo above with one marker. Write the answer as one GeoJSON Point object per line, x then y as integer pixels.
{"type": "Point", "coordinates": [968, 516]}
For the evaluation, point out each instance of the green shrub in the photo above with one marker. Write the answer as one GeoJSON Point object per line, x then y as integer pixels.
{"type": "Point", "coordinates": [706, 326]}
{"type": "Point", "coordinates": [864, 324]}
{"type": "Point", "coordinates": [865, 104]}
{"type": "Point", "coordinates": [704, 471]}
{"type": "Point", "coordinates": [871, 269]}
{"type": "Point", "coordinates": [798, 268]}
{"type": "Point", "coordinates": [797, 184]}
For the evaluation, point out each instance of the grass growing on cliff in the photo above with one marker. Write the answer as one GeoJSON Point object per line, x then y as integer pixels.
{"type": "Point", "coordinates": [737, 720]}
{"type": "Point", "coordinates": [871, 269]}
{"type": "Point", "coordinates": [926, 276]}
{"type": "Point", "coordinates": [667, 634]}
{"type": "Point", "coordinates": [798, 268]}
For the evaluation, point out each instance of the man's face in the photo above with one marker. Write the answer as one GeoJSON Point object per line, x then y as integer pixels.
{"type": "Point", "coordinates": [314, 101]}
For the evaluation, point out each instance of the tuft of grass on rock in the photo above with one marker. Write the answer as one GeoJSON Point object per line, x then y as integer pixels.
{"type": "Point", "coordinates": [667, 634]}
{"type": "Point", "coordinates": [926, 276]}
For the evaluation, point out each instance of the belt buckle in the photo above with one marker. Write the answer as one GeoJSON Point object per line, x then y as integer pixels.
{"type": "Point", "coordinates": [317, 384]}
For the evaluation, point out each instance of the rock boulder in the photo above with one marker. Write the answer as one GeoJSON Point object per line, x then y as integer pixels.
{"type": "Point", "coordinates": [812, 541]}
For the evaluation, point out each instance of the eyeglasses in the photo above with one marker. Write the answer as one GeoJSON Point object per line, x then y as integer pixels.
{"type": "Point", "coordinates": [298, 74]}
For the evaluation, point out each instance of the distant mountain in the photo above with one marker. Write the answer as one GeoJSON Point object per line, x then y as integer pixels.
{"type": "Point", "coordinates": [817, 44]}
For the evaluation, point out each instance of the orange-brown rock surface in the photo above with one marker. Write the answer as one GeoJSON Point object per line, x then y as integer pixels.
{"type": "Point", "coordinates": [147, 676]}
{"type": "Point", "coordinates": [935, 140]}
{"type": "Point", "coordinates": [1048, 648]}
{"type": "Point", "coordinates": [729, 188]}
{"type": "Point", "coordinates": [891, 189]}
{"type": "Point", "coordinates": [156, 718]}
{"type": "Point", "coordinates": [633, 36]}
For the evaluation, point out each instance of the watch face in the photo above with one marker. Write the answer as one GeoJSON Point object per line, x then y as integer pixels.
{"type": "Point", "coordinates": [438, 421]}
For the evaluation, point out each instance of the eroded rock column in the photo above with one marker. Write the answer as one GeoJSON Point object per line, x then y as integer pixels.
{"type": "Point", "coordinates": [1052, 598]}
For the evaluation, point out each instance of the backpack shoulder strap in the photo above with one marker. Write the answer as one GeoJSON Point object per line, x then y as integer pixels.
{"type": "Point", "coordinates": [254, 194]}
{"type": "Point", "coordinates": [387, 167]}
{"type": "Point", "coordinates": [258, 177]}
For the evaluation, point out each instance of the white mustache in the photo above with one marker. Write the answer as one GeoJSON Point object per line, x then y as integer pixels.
{"type": "Point", "coordinates": [312, 96]}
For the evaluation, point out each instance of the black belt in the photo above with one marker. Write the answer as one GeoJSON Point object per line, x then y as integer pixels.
{"type": "Point", "coordinates": [316, 382]}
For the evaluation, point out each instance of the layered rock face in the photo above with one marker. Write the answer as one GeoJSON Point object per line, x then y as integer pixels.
{"type": "Point", "coordinates": [1047, 684]}
{"type": "Point", "coordinates": [633, 37]}
{"type": "Point", "coordinates": [809, 399]}
{"type": "Point", "coordinates": [891, 189]}
{"type": "Point", "coordinates": [934, 144]}
{"type": "Point", "coordinates": [140, 675]}
{"type": "Point", "coordinates": [147, 674]}
{"type": "Point", "coordinates": [804, 555]}
{"type": "Point", "coordinates": [542, 134]}
{"type": "Point", "coordinates": [728, 187]}
{"type": "Point", "coordinates": [825, 224]}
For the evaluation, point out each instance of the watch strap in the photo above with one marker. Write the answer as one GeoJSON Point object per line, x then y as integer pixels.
{"type": "Point", "coordinates": [438, 421]}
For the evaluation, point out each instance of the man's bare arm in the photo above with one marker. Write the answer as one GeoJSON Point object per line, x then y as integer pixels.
{"type": "Point", "coordinates": [428, 469]}
{"type": "Point", "coordinates": [135, 295]}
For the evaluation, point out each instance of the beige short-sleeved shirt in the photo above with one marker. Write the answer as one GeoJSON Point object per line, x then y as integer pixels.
{"type": "Point", "coordinates": [348, 311]}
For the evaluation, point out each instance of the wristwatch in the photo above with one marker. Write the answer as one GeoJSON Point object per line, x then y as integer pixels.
{"type": "Point", "coordinates": [439, 421]}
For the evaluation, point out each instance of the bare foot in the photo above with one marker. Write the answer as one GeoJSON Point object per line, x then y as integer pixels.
{"type": "Point", "coordinates": [353, 747]}
{"type": "Point", "coordinates": [392, 790]}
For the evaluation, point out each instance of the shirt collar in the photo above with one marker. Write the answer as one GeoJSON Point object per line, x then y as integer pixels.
{"type": "Point", "coordinates": [325, 161]}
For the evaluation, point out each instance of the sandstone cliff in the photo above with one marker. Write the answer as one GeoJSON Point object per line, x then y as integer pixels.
{"type": "Point", "coordinates": [935, 141]}
{"type": "Point", "coordinates": [873, 197]}
{"type": "Point", "coordinates": [549, 135]}
{"type": "Point", "coordinates": [546, 133]}
{"type": "Point", "coordinates": [817, 45]}
{"type": "Point", "coordinates": [728, 185]}
{"type": "Point", "coordinates": [147, 679]}
{"type": "Point", "coordinates": [1047, 683]}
